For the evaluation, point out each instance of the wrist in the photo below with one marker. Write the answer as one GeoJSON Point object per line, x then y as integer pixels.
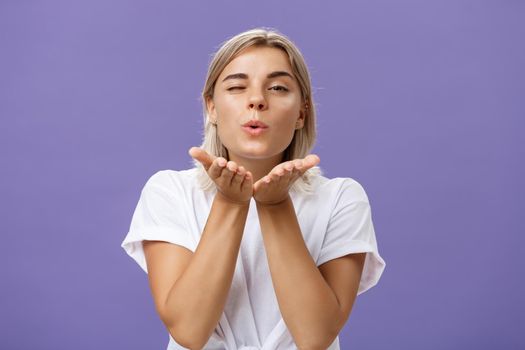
{"type": "Point", "coordinates": [219, 196]}
{"type": "Point", "coordinates": [273, 203]}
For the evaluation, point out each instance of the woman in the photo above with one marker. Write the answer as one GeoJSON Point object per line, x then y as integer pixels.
{"type": "Point", "coordinates": [254, 248]}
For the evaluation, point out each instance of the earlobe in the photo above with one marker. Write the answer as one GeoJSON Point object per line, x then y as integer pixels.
{"type": "Point", "coordinates": [300, 121]}
{"type": "Point", "coordinates": [210, 105]}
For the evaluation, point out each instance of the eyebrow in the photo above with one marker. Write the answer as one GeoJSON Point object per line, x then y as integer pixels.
{"type": "Point", "coordinates": [275, 74]}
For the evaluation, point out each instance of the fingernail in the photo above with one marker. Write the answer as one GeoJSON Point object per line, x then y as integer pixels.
{"type": "Point", "coordinates": [222, 162]}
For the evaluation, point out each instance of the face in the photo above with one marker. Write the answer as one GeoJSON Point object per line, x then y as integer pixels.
{"type": "Point", "coordinates": [257, 86]}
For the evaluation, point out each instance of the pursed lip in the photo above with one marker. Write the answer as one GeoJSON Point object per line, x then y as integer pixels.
{"type": "Point", "coordinates": [255, 123]}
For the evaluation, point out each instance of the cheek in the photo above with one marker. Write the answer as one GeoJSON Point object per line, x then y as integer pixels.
{"type": "Point", "coordinates": [291, 101]}
{"type": "Point", "coordinates": [227, 107]}
{"type": "Point", "coordinates": [288, 114]}
{"type": "Point", "coordinates": [226, 122]}
{"type": "Point", "coordinates": [290, 105]}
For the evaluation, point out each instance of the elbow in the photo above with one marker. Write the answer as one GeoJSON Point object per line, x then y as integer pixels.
{"type": "Point", "coordinates": [184, 340]}
{"type": "Point", "coordinates": [317, 346]}
{"type": "Point", "coordinates": [320, 341]}
{"type": "Point", "coordinates": [187, 330]}
{"type": "Point", "coordinates": [178, 331]}
{"type": "Point", "coordinates": [187, 338]}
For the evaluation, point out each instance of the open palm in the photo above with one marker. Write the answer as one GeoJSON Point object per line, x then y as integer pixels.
{"type": "Point", "coordinates": [273, 188]}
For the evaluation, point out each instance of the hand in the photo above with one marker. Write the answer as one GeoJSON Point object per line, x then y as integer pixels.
{"type": "Point", "coordinates": [233, 182]}
{"type": "Point", "coordinates": [273, 188]}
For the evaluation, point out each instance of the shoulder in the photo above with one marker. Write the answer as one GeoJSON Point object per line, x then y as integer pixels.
{"type": "Point", "coordinates": [346, 188]}
{"type": "Point", "coordinates": [172, 180]}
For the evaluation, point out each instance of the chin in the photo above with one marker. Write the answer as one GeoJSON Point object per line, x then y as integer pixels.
{"type": "Point", "coordinates": [256, 153]}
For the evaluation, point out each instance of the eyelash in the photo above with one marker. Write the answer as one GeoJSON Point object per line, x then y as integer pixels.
{"type": "Point", "coordinates": [281, 88]}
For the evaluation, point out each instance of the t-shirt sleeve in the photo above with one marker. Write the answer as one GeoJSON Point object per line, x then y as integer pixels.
{"type": "Point", "coordinates": [160, 215]}
{"type": "Point", "coordinates": [351, 230]}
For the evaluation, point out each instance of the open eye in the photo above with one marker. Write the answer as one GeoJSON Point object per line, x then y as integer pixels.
{"type": "Point", "coordinates": [279, 88]}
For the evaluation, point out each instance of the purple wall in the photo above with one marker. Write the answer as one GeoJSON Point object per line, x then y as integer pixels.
{"type": "Point", "coordinates": [421, 102]}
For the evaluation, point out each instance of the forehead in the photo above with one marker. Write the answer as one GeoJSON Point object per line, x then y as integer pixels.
{"type": "Point", "coordinates": [257, 60]}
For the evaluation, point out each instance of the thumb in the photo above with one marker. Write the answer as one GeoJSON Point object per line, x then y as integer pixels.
{"type": "Point", "coordinates": [311, 160]}
{"type": "Point", "coordinates": [202, 156]}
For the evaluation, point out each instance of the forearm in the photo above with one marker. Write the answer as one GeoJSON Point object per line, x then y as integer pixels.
{"type": "Point", "coordinates": [308, 305]}
{"type": "Point", "coordinates": [197, 298]}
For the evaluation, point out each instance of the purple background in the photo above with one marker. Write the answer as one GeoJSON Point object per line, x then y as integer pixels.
{"type": "Point", "coordinates": [421, 102]}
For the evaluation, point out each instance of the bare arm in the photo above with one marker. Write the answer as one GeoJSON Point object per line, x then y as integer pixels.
{"type": "Point", "coordinates": [191, 305]}
{"type": "Point", "coordinates": [190, 289]}
{"type": "Point", "coordinates": [311, 308]}
{"type": "Point", "coordinates": [314, 302]}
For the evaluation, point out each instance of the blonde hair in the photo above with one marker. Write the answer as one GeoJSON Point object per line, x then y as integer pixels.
{"type": "Point", "coordinates": [303, 139]}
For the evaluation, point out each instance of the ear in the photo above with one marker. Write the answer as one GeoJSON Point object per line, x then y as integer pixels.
{"type": "Point", "coordinates": [299, 124]}
{"type": "Point", "coordinates": [212, 113]}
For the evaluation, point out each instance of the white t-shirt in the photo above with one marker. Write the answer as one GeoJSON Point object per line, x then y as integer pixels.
{"type": "Point", "coordinates": [335, 221]}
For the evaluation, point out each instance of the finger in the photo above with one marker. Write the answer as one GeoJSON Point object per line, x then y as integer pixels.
{"type": "Point", "coordinates": [288, 165]}
{"type": "Point", "coordinates": [308, 162]}
{"type": "Point", "coordinates": [288, 168]}
{"type": "Point", "coordinates": [238, 177]}
{"type": "Point", "coordinates": [216, 168]}
{"type": "Point", "coordinates": [298, 164]}
{"type": "Point", "coordinates": [256, 185]}
{"type": "Point", "coordinates": [278, 170]}
{"type": "Point", "coordinates": [311, 160]}
{"type": "Point", "coordinates": [202, 156]}
{"type": "Point", "coordinates": [261, 184]}
{"type": "Point", "coordinates": [299, 169]}
{"type": "Point", "coordinates": [275, 178]}
{"type": "Point", "coordinates": [284, 172]}
{"type": "Point", "coordinates": [247, 184]}
{"type": "Point", "coordinates": [198, 154]}
{"type": "Point", "coordinates": [228, 173]}
{"type": "Point", "coordinates": [295, 175]}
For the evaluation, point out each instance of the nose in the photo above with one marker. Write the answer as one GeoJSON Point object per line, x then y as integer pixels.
{"type": "Point", "coordinates": [257, 101]}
